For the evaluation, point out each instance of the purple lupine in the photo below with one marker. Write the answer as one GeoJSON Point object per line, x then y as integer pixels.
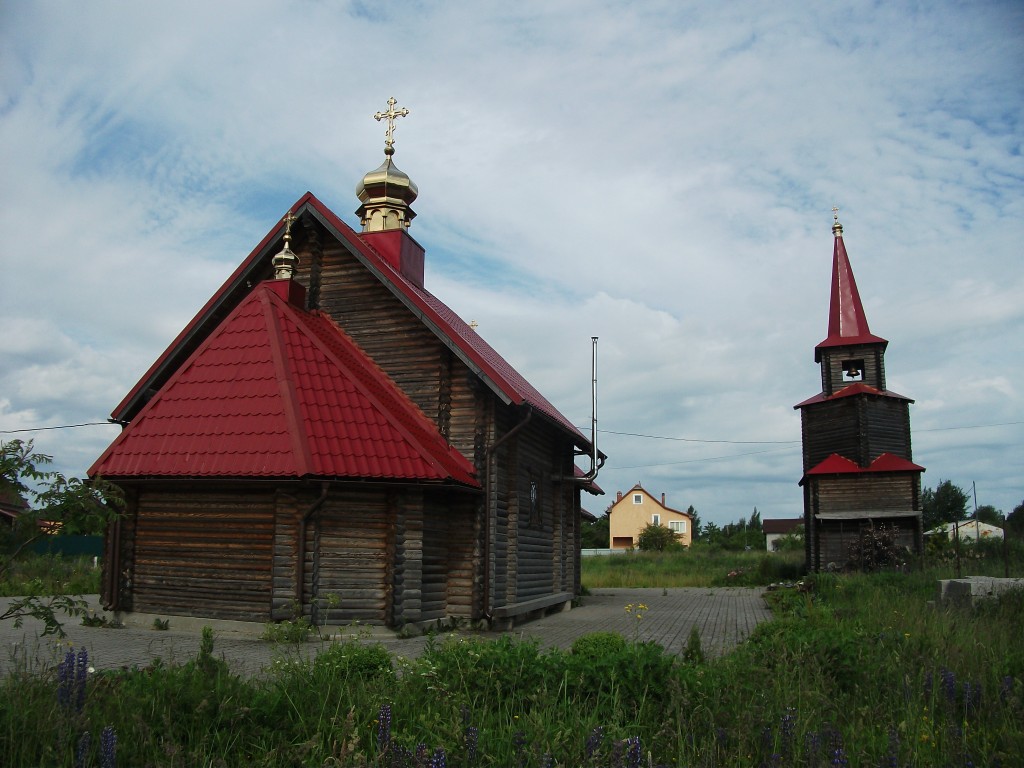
{"type": "Point", "coordinates": [1006, 688]}
{"type": "Point", "coordinates": [421, 753]}
{"type": "Point", "coordinates": [594, 742]}
{"type": "Point", "coordinates": [470, 736]}
{"type": "Point", "coordinates": [948, 684]}
{"type": "Point", "coordinates": [788, 730]}
{"type": "Point", "coordinates": [519, 742]}
{"type": "Point", "coordinates": [892, 761]}
{"type": "Point", "coordinates": [82, 672]}
{"type": "Point", "coordinates": [812, 747]}
{"type": "Point", "coordinates": [837, 752]}
{"type": "Point", "coordinates": [634, 753]}
{"type": "Point", "coordinates": [108, 747]}
{"type": "Point", "coordinates": [438, 760]}
{"type": "Point", "coordinates": [82, 751]}
{"type": "Point", "coordinates": [384, 727]}
{"type": "Point", "coordinates": [66, 679]}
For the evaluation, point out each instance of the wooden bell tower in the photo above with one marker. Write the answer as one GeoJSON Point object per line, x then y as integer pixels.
{"type": "Point", "coordinates": [858, 471]}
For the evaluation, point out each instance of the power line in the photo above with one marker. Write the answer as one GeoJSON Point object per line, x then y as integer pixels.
{"type": "Point", "coordinates": [62, 426]}
{"type": "Point", "coordinates": [612, 467]}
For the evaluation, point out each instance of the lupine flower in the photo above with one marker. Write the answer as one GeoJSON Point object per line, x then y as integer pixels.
{"type": "Point", "coordinates": [65, 679]}
{"type": "Point", "coordinates": [384, 727]}
{"type": "Point", "coordinates": [594, 742]}
{"type": "Point", "coordinates": [948, 684]}
{"type": "Point", "coordinates": [519, 742]}
{"type": "Point", "coordinates": [82, 751]}
{"type": "Point", "coordinates": [1006, 688]}
{"type": "Point", "coordinates": [82, 672]}
{"type": "Point", "coordinates": [421, 753]}
{"type": "Point", "coordinates": [470, 736]}
{"type": "Point", "coordinates": [634, 752]}
{"type": "Point", "coordinates": [108, 748]}
{"type": "Point", "coordinates": [788, 729]}
{"type": "Point", "coordinates": [438, 760]}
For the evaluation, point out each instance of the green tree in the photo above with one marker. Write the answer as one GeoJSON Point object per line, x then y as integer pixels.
{"type": "Point", "coordinates": [1015, 521]}
{"type": "Point", "coordinates": [595, 535]}
{"type": "Point", "coordinates": [986, 513]}
{"type": "Point", "coordinates": [946, 504]}
{"type": "Point", "coordinates": [695, 524]}
{"type": "Point", "coordinates": [79, 506]}
{"type": "Point", "coordinates": [656, 538]}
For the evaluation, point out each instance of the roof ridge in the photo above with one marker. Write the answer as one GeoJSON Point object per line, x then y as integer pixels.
{"type": "Point", "coordinates": [285, 382]}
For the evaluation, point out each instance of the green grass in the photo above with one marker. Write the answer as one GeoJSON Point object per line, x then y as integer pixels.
{"type": "Point", "coordinates": [51, 575]}
{"type": "Point", "coordinates": [855, 670]}
{"type": "Point", "coordinates": [696, 567]}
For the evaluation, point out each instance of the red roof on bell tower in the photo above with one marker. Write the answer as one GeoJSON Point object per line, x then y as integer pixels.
{"type": "Point", "coordinates": [847, 323]}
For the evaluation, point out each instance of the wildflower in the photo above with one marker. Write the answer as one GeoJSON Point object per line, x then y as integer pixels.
{"type": "Point", "coordinates": [472, 734]}
{"type": "Point", "coordinates": [384, 727]}
{"type": "Point", "coordinates": [108, 748]}
{"type": "Point", "coordinates": [594, 742]}
{"type": "Point", "coordinates": [82, 751]}
{"type": "Point", "coordinates": [438, 760]}
{"type": "Point", "coordinates": [948, 684]}
{"type": "Point", "coordinates": [634, 752]}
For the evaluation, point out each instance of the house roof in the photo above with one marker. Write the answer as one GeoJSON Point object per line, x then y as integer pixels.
{"type": "Point", "coordinates": [649, 495]}
{"type": "Point", "coordinates": [847, 322]}
{"type": "Point", "coordinates": [276, 391]}
{"type": "Point", "coordinates": [857, 388]}
{"type": "Point", "coordinates": [781, 524]}
{"type": "Point", "coordinates": [464, 341]}
{"type": "Point", "coordinates": [885, 462]}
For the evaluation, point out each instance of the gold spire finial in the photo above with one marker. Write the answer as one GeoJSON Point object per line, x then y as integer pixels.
{"type": "Point", "coordinates": [391, 115]}
{"type": "Point", "coordinates": [837, 228]}
{"type": "Point", "coordinates": [286, 261]}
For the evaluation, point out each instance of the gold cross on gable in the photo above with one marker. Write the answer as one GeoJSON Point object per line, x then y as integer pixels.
{"type": "Point", "coordinates": [390, 115]}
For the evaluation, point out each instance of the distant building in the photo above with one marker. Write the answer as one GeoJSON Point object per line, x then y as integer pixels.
{"type": "Point", "coordinates": [858, 467]}
{"type": "Point", "coordinates": [973, 530]}
{"type": "Point", "coordinates": [777, 528]}
{"type": "Point", "coordinates": [635, 509]}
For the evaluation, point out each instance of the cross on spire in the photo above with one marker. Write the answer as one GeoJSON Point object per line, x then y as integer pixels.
{"type": "Point", "coordinates": [390, 116]}
{"type": "Point", "coordinates": [837, 228]}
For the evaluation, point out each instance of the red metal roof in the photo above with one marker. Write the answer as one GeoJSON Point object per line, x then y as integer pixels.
{"type": "Point", "coordinates": [890, 462]}
{"type": "Point", "coordinates": [857, 388]}
{"type": "Point", "coordinates": [274, 391]}
{"type": "Point", "coordinates": [499, 375]}
{"type": "Point", "coordinates": [847, 323]}
{"type": "Point", "coordinates": [885, 462]}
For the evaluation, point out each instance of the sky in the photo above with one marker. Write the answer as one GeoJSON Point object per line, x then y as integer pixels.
{"type": "Point", "coordinates": [658, 174]}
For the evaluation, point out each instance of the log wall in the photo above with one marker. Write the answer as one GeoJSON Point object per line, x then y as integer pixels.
{"type": "Point", "coordinates": [203, 554]}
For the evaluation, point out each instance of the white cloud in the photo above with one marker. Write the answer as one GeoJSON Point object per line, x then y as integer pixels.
{"type": "Point", "coordinates": [656, 174]}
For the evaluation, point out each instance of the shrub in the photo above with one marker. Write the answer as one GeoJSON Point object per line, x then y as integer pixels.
{"type": "Point", "coordinates": [598, 644]}
{"type": "Point", "coordinates": [876, 548]}
{"type": "Point", "coordinates": [657, 538]}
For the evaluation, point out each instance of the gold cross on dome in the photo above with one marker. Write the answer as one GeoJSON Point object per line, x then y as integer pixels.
{"type": "Point", "coordinates": [288, 220]}
{"type": "Point", "coordinates": [390, 116]}
{"type": "Point", "coordinates": [835, 213]}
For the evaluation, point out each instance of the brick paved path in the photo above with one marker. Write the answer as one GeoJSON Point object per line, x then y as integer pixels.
{"type": "Point", "coordinates": [723, 616]}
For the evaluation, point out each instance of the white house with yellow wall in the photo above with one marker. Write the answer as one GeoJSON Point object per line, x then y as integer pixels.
{"type": "Point", "coordinates": [633, 510]}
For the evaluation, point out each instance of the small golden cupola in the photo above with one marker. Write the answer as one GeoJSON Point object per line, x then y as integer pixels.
{"type": "Point", "coordinates": [386, 193]}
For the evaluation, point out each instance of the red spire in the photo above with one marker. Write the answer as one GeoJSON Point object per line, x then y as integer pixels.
{"type": "Point", "coordinates": [847, 323]}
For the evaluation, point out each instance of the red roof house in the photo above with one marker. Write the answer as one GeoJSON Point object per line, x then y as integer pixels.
{"type": "Point", "coordinates": [858, 467]}
{"type": "Point", "coordinates": [324, 427]}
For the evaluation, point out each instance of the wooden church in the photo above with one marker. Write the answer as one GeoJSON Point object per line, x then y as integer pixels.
{"type": "Point", "coordinates": [327, 436]}
{"type": "Point", "coordinates": [858, 469]}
